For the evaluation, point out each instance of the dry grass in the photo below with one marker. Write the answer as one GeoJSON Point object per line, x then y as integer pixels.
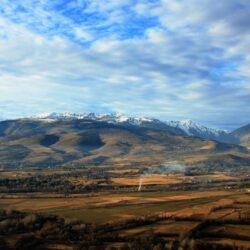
{"type": "Point", "coordinates": [236, 230]}
{"type": "Point", "coordinates": [149, 179]}
{"type": "Point", "coordinates": [124, 171]}
{"type": "Point", "coordinates": [104, 207]}
{"type": "Point", "coordinates": [209, 145]}
{"type": "Point", "coordinates": [195, 158]}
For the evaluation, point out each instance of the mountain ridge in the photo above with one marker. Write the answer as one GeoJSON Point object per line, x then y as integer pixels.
{"type": "Point", "coordinates": [68, 142]}
{"type": "Point", "coordinates": [187, 127]}
{"type": "Point", "coordinates": [182, 127]}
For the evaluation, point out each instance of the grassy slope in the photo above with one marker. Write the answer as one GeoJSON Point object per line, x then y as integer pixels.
{"type": "Point", "coordinates": [35, 142]}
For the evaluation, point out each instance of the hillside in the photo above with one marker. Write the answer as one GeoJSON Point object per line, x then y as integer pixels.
{"type": "Point", "coordinates": [184, 127]}
{"type": "Point", "coordinates": [77, 142]}
{"type": "Point", "coordinates": [242, 135]}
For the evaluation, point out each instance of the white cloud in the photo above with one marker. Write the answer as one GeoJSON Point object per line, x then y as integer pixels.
{"type": "Point", "coordinates": [83, 34]}
{"type": "Point", "coordinates": [193, 63]}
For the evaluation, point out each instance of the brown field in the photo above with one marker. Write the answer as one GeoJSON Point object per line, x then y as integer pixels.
{"type": "Point", "coordinates": [236, 230]}
{"type": "Point", "coordinates": [169, 179]}
{"type": "Point", "coordinates": [103, 207]}
{"type": "Point", "coordinates": [149, 179]}
{"type": "Point", "coordinates": [167, 228]}
{"type": "Point", "coordinates": [211, 208]}
{"type": "Point", "coordinates": [27, 173]}
{"type": "Point", "coordinates": [120, 171]}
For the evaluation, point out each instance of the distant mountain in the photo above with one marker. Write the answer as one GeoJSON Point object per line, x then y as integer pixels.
{"type": "Point", "coordinates": [74, 140]}
{"type": "Point", "coordinates": [186, 127]}
{"type": "Point", "coordinates": [242, 135]}
{"type": "Point", "coordinates": [194, 129]}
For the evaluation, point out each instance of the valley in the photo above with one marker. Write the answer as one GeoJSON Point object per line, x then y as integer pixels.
{"type": "Point", "coordinates": [124, 125]}
{"type": "Point", "coordinates": [84, 183]}
{"type": "Point", "coordinates": [108, 207]}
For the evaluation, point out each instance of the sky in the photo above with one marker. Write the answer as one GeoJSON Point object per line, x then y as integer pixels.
{"type": "Point", "coordinates": [168, 59]}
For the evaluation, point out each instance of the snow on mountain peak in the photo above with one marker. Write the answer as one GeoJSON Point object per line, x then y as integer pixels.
{"type": "Point", "coordinates": [192, 128]}
{"type": "Point", "coordinates": [109, 117]}
{"type": "Point", "coordinates": [189, 127]}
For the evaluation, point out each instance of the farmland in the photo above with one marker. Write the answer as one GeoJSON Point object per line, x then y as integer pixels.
{"type": "Point", "coordinates": [192, 209]}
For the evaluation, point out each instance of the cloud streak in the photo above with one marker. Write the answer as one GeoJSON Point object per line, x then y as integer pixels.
{"type": "Point", "coordinates": [168, 59]}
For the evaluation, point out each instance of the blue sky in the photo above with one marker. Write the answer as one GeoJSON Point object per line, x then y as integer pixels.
{"type": "Point", "coordinates": [169, 59]}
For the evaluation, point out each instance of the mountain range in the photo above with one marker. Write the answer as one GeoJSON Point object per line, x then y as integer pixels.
{"type": "Point", "coordinates": [66, 139]}
{"type": "Point", "coordinates": [185, 127]}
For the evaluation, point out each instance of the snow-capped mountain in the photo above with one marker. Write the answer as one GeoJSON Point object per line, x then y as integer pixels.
{"type": "Point", "coordinates": [186, 127]}
{"type": "Point", "coordinates": [106, 117]}
{"type": "Point", "coordinates": [194, 129]}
